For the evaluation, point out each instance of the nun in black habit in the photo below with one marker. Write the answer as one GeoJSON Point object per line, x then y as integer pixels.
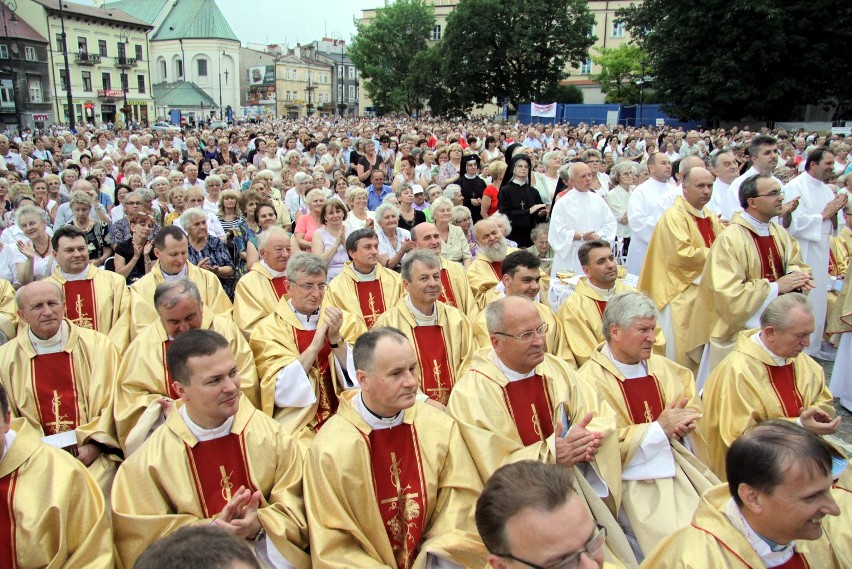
{"type": "Point", "coordinates": [520, 202]}
{"type": "Point", "coordinates": [472, 186]}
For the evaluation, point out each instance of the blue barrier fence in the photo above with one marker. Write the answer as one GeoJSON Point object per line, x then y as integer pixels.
{"type": "Point", "coordinates": [627, 115]}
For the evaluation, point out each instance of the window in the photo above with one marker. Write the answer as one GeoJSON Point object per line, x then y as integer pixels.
{"type": "Point", "coordinates": [202, 68]}
{"type": "Point", "coordinates": [35, 91]}
{"type": "Point", "coordinates": [87, 81]}
{"type": "Point", "coordinates": [60, 45]}
{"type": "Point", "coordinates": [340, 93]}
{"type": "Point", "coordinates": [586, 67]}
{"type": "Point", "coordinates": [106, 81]}
{"type": "Point", "coordinates": [124, 82]}
{"type": "Point", "coordinates": [30, 53]}
{"type": "Point", "coordinates": [122, 50]}
{"type": "Point", "coordinates": [4, 51]}
{"type": "Point", "coordinates": [7, 95]}
{"type": "Point", "coordinates": [102, 48]}
{"type": "Point", "coordinates": [163, 72]}
{"type": "Point", "coordinates": [352, 72]}
{"type": "Point", "coordinates": [139, 53]}
{"type": "Point", "coordinates": [63, 80]}
{"type": "Point", "coordinates": [436, 32]}
{"type": "Point", "coordinates": [288, 95]}
{"type": "Point", "coordinates": [340, 72]}
{"type": "Point", "coordinates": [593, 30]}
{"type": "Point", "coordinates": [618, 29]}
{"type": "Point", "coordinates": [140, 83]}
{"type": "Point", "coordinates": [82, 46]}
{"type": "Point", "coordinates": [352, 93]}
{"type": "Point", "coordinates": [179, 68]}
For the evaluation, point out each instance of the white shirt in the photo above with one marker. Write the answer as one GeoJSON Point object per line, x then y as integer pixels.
{"type": "Point", "coordinates": [643, 212]}
{"type": "Point", "coordinates": [577, 213]}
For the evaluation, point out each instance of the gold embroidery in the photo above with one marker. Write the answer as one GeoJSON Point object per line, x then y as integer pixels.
{"type": "Point", "coordinates": [59, 423]}
{"type": "Point", "coordinates": [82, 320]}
{"type": "Point", "coordinates": [226, 484]}
{"type": "Point", "coordinates": [371, 302]}
{"type": "Point", "coordinates": [649, 417]}
{"type": "Point", "coordinates": [441, 392]}
{"type": "Point", "coordinates": [536, 422]}
{"type": "Point", "coordinates": [406, 509]}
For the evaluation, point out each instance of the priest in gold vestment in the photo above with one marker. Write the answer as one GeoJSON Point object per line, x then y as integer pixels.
{"type": "Point", "coordinates": [767, 376]}
{"type": "Point", "coordinates": [8, 311]}
{"type": "Point", "coordinates": [750, 263]}
{"type": "Point", "coordinates": [486, 270]}
{"type": "Point", "coordinates": [388, 480]}
{"type": "Point", "coordinates": [67, 526]}
{"type": "Point", "coordinates": [840, 329]}
{"type": "Point", "coordinates": [364, 288]}
{"type": "Point", "coordinates": [304, 352]}
{"type": "Point", "coordinates": [522, 276]}
{"type": "Point", "coordinates": [171, 248]}
{"type": "Point", "coordinates": [94, 299]}
{"type": "Point", "coordinates": [656, 406]}
{"type": "Point", "coordinates": [767, 516]}
{"type": "Point", "coordinates": [581, 314]}
{"type": "Point", "coordinates": [60, 378]}
{"type": "Point", "coordinates": [517, 403]}
{"type": "Point", "coordinates": [838, 262]}
{"type": "Point", "coordinates": [258, 291]}
{"type": "Point", "coordinates": [145, 389]}
{"type": "Point", "coordinates": [440, 334]}
{"type": "Point", "coordinates": [455, 290]}
{"type": "Point", "coordinates": [838, 529]}
{"type": "Point", "coordinates": [217, 460]}
{"type": "Point", "coordinates": [675, 260]}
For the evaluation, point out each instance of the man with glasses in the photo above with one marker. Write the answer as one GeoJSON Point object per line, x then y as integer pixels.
{"type": "Point", "coordinates": [519, 402]}
{"type": "Point", "coordinates": [749, 264]}
{"type": "Point", "coordinates": [530, 515]}
{"type": "Point", "coordinates": [303, 352]}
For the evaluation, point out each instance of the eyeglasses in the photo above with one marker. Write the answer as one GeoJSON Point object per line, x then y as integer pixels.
{"type": "Point", "coordinates": [772, 194]}
{"type": "Point", "coordinates": [311, 287]}
{"type": "Point", "coordinates": [527, 337]}
{"type": "Point", "coordinates": [592, 548]}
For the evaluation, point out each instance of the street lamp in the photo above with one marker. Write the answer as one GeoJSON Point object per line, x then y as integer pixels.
{"type": "Point", "coordinates": [340, 75]}
{"type": "Point", "coordinates": [641, 92]}
{"type": "Point", "coordinates": [67, 70]}
{"type": "Point", "coordinates": [124, 39]}
{"type": "Point", "coordinates": [11, 6]}
{"type": "Point", "coordinates": [221, 53]}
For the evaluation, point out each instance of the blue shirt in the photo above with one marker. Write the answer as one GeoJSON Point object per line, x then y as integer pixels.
{"type": "Point", "coordinates": [373, 200]}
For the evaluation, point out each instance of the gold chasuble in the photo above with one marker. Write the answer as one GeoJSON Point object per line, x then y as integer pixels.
{"type": "Point", "coordinates": [504, 421]}
{"type": "Point", "coordinates": [52, 514]}
{"type": "Point", "coordinates": [712, 541]}
{"type": "Point", "coordinates": [277, 341]}
{"type": "Point", "coordinates": [443, 350]}
{"type": "Point", "coordinates": [675, 258]}
{"type": "Point", "coordinates": [174, 480]}
{"type": "Point", "coordinates": [638, 403]}
{"type": "Point", "coordinates": [366, 300]}
{"type": "Point", "coordinates": [256, 296]}
{"type": "Point", "coordinates": [143, 377]}
{"type": "Point", "coordinates": [391, 497]}
{"type": "Point", "coordinates": [142, 311]}
{"type": "Point", "coordinates": [838, 263]}
{"type": "Point", "coordinates": [555, 340]}
{"type": "Point", "coordinates": [735, 284]}
{"type": "Point", "coordinates": [71, 390]}
{"type": "Point", "coordinates": [99, 302]}
{"type": "Point", "coordinates": [581, 316]}
{"type": "Point", "coordinates": [8, 310]}
{"type": "Point", "coordinates": [483, 274]}
{"type": "Point", "coordinates": [455, 289]}
{"type": "Point", "coordinates": [840, 318]}
{"type": "Point", "coordinates": [749, 387]}
{"type": "Point", "coordinates": [846, 240]}
{"type": "Point", "coordinates": [837, 528]}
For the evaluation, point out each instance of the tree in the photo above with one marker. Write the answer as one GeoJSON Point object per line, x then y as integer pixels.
{"type": "Point", "coordinates": [622, 72]}
{"type": "Point", "coordinates": [731, 59]}
{"type": "Point", "coordinates": [513, 50]}
{"type": "Point", "coordinates": [567, 94]}
{"type": "Point", "coordinates": [385, 50]}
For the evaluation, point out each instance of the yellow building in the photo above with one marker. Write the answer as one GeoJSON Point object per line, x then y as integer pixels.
{"type": "Point", "coordinates": [107, 60]}
{"type": "Point", "coordinates": [303, 84]}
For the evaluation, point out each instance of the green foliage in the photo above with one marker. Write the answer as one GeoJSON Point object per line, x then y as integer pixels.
{"type": "Point", "coordinates": [732, 59]}
{"type": "Point", "coordinates": [567, 94]}
{"type": "Point", "coordinates": [501, 50]}
{"type": "Point", "coordinates": [385, 52]}
{"type": "Point", "coordinates": [621, 73]}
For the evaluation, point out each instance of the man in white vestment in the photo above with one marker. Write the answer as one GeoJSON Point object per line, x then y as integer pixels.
{"type": "Point", "coordinates": [724, 166]}
{"type": "Point", "coordinates": [643, 211]}
{"type": "Point", "coordinates": [580, 216]}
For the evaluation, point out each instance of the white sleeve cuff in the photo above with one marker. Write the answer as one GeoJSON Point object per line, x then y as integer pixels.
{"type": "Point", "coordinates": [593, 477]}
{"type": "Point", "coordinates": [347, 380]}
{"type": "Point", "coordinates": [269, 554]}
{"type": "Point", "coordinates": [293, 387]}
{"type": "Point", "coordinates": [754, 321]}
{"type": "Point", "coordinates": [435, 562]}
{"type": "Point", "coordinates": [653, 459]}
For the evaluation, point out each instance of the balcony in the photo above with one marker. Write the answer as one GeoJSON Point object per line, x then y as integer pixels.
{"type": "Point", "coordinates": [84, 58]}
{"type": "Point", "coordinates": [122, 62]}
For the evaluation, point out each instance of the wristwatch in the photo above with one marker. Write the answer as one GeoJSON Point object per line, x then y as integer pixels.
{"type": "Point", "coordinates": [261, 533]}
{"type": "Point", "coordinates": [335, 345]}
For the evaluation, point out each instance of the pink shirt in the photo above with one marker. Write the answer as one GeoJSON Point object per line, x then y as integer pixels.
{"type": "Point", "coordinates": [307, 225]}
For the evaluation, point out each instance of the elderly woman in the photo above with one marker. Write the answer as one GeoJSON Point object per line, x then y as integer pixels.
{"type": "Point", "coordinates": [505, 226]}
{"type": "Point", "coordinates": [408, 216]}
{"type": "Point", "coordinates": [394, 242]}
{"type": "Point", "coordinates": [359, 217]}
{"type": "Point", "coordinates": [623, 175]}
{"type": "Point", "coordinates": [331, 160]}
{"type": "Point", "coordinates": [320, 181]}
{"type": "Point", "coordinates": [330, 238]}
{"type": "Point", "coordinates": [454, 244]}
{"type": "Point", "coordinates": [453, 192]}
{"type": "Point", "coordinates": [451, 170]}
{"type": "Point", "coordinates": [95, 230]}
{"type": "Point", "coordinates": [208, 252]}
{"type": "Point", "coordinates": [600, 181]}
{"type": "Point", "coordinates": [463, 219]}
{"type": "Point", "coordinates": [160, 187]}
{"type": "Point", "coordinates": [292, 166]}
{"type": "Point", "coordinates": [368, 163]}
{"type": "Point", "coordinates": [545, 182]}
{"type": "Point", "coordinates": [307, 224]}
{"type": "Point", "coordinates": [295, 199]}
{"type": "Point", "coordinates": [133, 257]}
{"type": "Point", "coordinates": [540, 247]}
{"type": "Point", "coordinates": [34, 260]}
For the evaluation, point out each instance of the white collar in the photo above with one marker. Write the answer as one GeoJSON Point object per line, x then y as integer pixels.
{"type": "Point", "coordinates": [365, 277]}
{"type": "Point", "coordinates": [606, 293]}
{"type": "Point", "coordinates": [305, 319]}
{"type": "Point", "coordinates": [9, 438]}
{"type": "Point", "coordinates": [81, 276]}
{"type": "Point", "coordinates": [760, 227]}
{"type": "Point", "coordinates": [758, 543]}
{"type": "Point", "coordinates": [511, 375]}
{"type": "Point", "coordinates": [779, 361]}
{"type": "Point", "coordinates": [180, 276]}
{"type": "Point", "coordinates": [376, 423]}
{"type": "Point", "coordinates": [420, 318]}
{"type": "Point", "coordinates": [203, 434]}
{"type": "Point", "coordinates": [629, 371]}
{"type": "Point", "coordinates": [274, 273]}
{"type": "Point", "coordinates": [53, 344]}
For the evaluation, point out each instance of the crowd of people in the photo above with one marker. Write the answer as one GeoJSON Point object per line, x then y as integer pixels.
{"type": "Point", "coordinates": [424, 343]}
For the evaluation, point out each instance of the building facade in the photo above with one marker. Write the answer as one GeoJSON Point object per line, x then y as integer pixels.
{"type": "Point", "coordinates": [257, 83]}
{"type": "Point", "coordinates": [345, 85]}
{"type": "Point", "coordinates": [25, 95]}
{"type": "Point", "coordinates": [303, 84]}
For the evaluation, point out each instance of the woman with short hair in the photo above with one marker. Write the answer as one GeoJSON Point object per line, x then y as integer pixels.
{"type": "Point", "coordinates": [394, 242]}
